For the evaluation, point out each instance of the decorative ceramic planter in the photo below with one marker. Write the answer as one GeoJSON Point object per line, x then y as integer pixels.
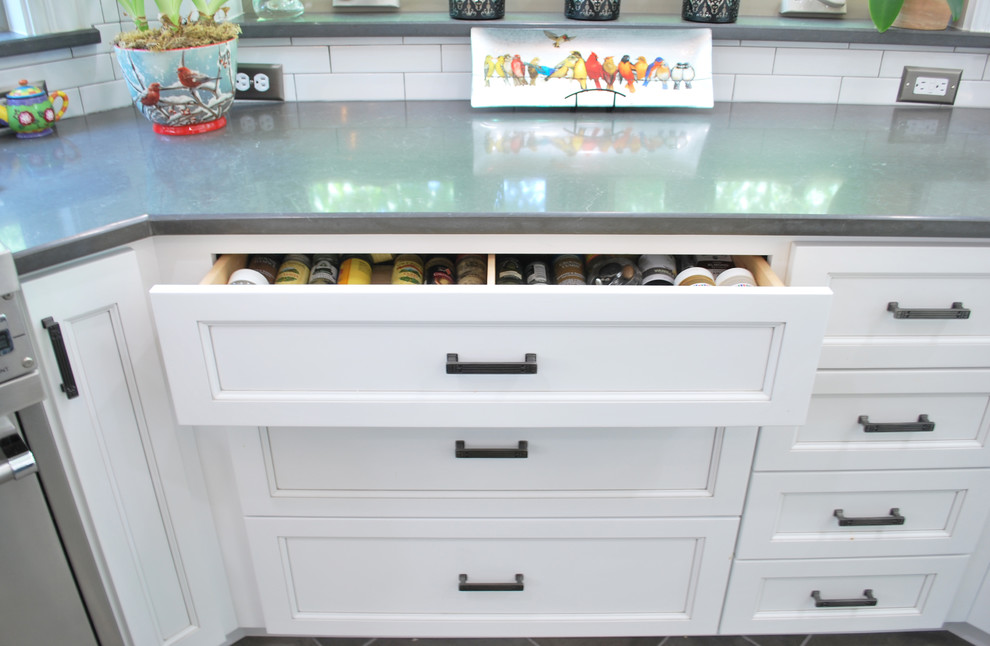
{"type": "Point", "coordinates": [477, 9]}
{"type": "Point", "coordinates": [591, 9]}
{"type": "Point", "coordinates": [928, 15]}
{"type": "Point", "coordinates": [710, 10]}
{"type": "Point", "coordinates": [182, 91]}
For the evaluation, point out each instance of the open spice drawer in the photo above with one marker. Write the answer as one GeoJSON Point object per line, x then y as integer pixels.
{"type": "Point", "coordinates": [489, 355]}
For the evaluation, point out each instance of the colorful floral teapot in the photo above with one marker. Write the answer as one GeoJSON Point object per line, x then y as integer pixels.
{"type": "Point", "coordinates": [30, 112]}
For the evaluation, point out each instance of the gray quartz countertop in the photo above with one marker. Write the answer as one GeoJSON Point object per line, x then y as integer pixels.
{"type": "Point", "coordinates": [443, 167]}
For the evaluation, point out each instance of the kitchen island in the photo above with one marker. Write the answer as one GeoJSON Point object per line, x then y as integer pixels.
{"type": "Point", "coordinates": [682, 462]}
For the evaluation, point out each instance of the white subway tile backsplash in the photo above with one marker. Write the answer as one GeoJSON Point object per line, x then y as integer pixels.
{"type": "Point", "coordinates": [894, 61]}
{"type": "Point", "coordinates": [431, 86]}
{"type": "Point", "coordinates": [439, 68]}
{"type": "Point", "coordinates": [104, 96]}
{"type": "Point", "coordinates": [455, 58]}
{"type": "Point", "coordinates": [785, 89]}
{"type": "Point", "coordinates": [909, 48]}
{"type": "Point", "coordinates": [71, 72]}
{"type": "Point", "coordinates": [294, 60]}
{"type": "Point", "coordinates": [869, 91]}
{"type": "Point", "coordinates": [75, 108]}
{"type": "Point", "coordinates": [973, 94]}
{"type": "Point", "coordinates": [742, 60]}
{"type": "Point", "coordinates": [33, 60]}
{"type": "Point", "coordinates": [344, 40]}
{"type": "Point", "coordinates": [350, 87]}
{"type": "Point", "coordinates": [385, 58]}
{"type": "Point", "coordinates": [827, 62]}
{"type": "Point", "coordinates": [264, 42]}
{"type": "Point", "coordinates": [723, 84]}
{"type": "Point", "coordinates": [436, 40]}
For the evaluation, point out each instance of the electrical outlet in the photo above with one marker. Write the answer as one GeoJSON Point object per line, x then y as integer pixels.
{"type": "Point", "coordinates": [812, 7]}
{"type": "Point", "coordinates": [259, 81]}
{"type": "Point", "coordinates": [929, 85]}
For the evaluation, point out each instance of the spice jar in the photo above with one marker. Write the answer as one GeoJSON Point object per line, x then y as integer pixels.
{"type": "Point", "coordinates": [439, 270]}
{"type": "Point", "coordinates": [472, 269]}
{"type": "Point", "coordinates": [355, 270]}
{"type": "Point", "coordinates": [325, 269]}
{"type": "Point", "coordinates": [267, 265]}
{"type": "Point", "coordinates": [407, 270]}
{"type": "Point", "coordinates": [568, 269]}
{"type": "Point", "coordinates": [294, 270]}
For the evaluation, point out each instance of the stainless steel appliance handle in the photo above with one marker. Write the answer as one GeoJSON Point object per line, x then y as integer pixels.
{"type": "Point", "coordinates": [17, 459]}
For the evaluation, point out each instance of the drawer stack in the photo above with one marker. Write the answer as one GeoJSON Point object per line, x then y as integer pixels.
{"type": "Point", "coordinates": [386, 495]}
{"type": "Point", "coordinates": [863, 518]}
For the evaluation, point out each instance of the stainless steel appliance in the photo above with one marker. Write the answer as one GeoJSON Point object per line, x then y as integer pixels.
{"type": "Point", "coordinates": [50, 588]}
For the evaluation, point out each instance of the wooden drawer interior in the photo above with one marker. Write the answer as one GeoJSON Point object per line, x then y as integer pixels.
{"type": "Point", "coordinates": [226, 264]}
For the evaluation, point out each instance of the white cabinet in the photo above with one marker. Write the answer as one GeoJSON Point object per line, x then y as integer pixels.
{"type": "Point", "coordinates": [885, 486]}
{"type": "Point", "coordinates": [134, 471]}
{"type": "Point", "coordinates": [609, 476]}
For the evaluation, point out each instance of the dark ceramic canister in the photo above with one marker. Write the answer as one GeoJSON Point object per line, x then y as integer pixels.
{"type": "Point", "coordinates": [591, 9]}
{"type": "Point", "coordinates": [710, 10]}
{"type": "Point", "coordinates": [477, 9]}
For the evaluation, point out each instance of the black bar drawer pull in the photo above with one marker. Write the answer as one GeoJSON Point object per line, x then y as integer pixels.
{"type": "Point", "coordinates": [526, 367]}
{"type": "Point", "coordinates": [923, 425]}
{"type": "Point", "coordinates": [867, 602]}
{"type": "Point", "coordinates": [957, 311]}
{"type": "Point", "coordinates": [514, 586]}
{"type": "Point", "coordinates": [461, 451]}
{"type": "Point", "coordinates": [894, 518]}
{"type": "Point", "coordinates": [61, 357]}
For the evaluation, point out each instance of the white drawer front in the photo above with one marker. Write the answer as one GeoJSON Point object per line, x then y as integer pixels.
{"type": "Point", "coordinates": [955, 403]}
{"type": "Point", "coordinates": [865, 279]}
{"type": "Point", "coordinates": [557, 472]}
{"type": "Point", "coordinates": [577, 577]}
{"type": "Point", "coordinates": [300, 355]}
{"type": "Point", "coordinates": [792, 515]}
{"type": "Point", "coordinates": [771, 597]}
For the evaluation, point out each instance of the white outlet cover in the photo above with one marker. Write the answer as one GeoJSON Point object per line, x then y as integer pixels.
{"type": "Point", "coordinates": [242, 81]}
{"type": "Point", "coordinates": [812, 7]}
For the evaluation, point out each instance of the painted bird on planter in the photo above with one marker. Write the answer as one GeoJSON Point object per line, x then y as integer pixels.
{"type": "Point", "coordinates": [609, 70]}
{"type": "Point", "coordinates": [151, 95]}
{"type": "Point", "coordinates": [192, 79]}
{"type": "Point", "coordinates": [626, 72]}
{"type": "Point", "coordinates": [594, 69]}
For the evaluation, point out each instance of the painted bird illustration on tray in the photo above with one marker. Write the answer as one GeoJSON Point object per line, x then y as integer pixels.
{"type": "Point", "coordinates": [557, 40]}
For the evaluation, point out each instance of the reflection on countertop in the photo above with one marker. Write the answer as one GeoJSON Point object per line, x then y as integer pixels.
{"type": "Point", "coordinates": [372, 167]}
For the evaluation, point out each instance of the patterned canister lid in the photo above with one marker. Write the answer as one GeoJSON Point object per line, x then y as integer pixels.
{"type": "Point", "coordinates": [25, 91]}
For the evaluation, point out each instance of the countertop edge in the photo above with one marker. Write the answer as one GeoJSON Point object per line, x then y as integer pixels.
{"type": "Point", "coordinates": [134, 229]}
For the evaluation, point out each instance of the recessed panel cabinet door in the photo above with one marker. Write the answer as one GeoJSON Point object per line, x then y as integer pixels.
{"type": "Point", "coordinates": [159, 555]}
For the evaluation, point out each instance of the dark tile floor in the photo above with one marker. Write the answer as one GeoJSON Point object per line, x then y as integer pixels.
{"type": "Point", "coordinates": [927, 638]}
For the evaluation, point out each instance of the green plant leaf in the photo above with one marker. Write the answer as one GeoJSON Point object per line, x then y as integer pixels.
{"type": "Point", "coordinates": [884, 12]}
{"type": "Point", "coordinates": [957, 7]}
{"type": "Point", "coordinates": [170, 9]}
{"type": "Point", "coordinates": [135, 9]}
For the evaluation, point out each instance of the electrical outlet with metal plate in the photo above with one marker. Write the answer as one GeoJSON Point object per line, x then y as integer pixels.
{"type": "Point", "coordinates": [929, 85]}
{"type": "Point", "coordinates": [259, 81]}
{"type": "Point", "coordinates": [818, 8]}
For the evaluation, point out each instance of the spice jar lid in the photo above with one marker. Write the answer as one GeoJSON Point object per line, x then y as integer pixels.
{"type": "Point", "coordinates": [735, 277]}
{"type": "Point", "coordinates": [247, 277]}
{"type": "Point", "coordinates": [695, 277]}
